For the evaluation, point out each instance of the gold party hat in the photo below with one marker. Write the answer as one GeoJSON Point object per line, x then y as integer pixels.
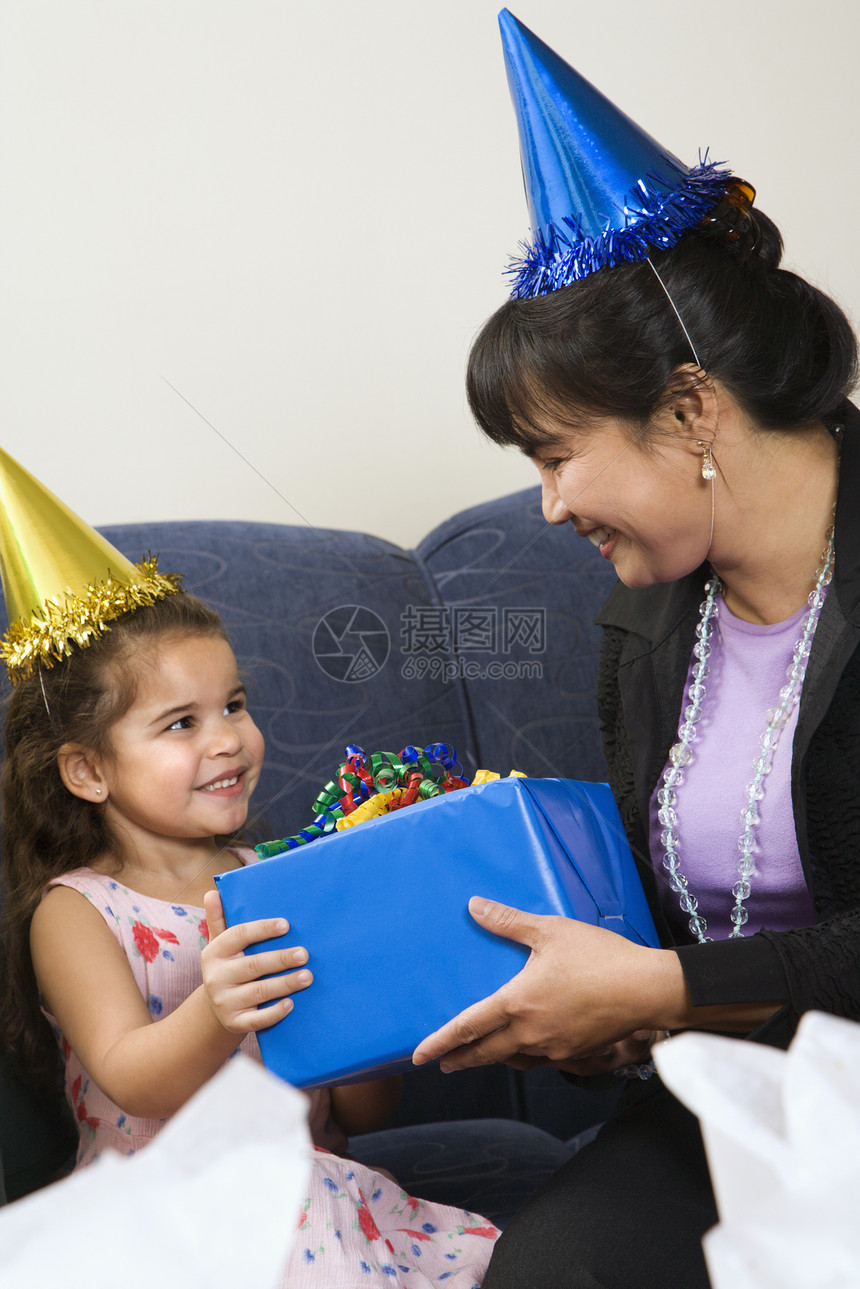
{"type": "Point", "coordinates": [63, 582]}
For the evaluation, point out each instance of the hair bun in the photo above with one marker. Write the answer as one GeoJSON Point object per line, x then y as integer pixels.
{"type": "Point", "coordinates": [748, 234]}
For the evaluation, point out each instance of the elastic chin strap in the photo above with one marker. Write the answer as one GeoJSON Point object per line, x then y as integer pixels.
{"type": "Point", "coordinates": [653, 269]}
{"type": "Point", "coordinates": [44, 695]}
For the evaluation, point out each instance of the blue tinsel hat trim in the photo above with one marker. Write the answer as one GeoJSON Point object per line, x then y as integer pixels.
{"type": "Point", "coordinates": [655, 216]}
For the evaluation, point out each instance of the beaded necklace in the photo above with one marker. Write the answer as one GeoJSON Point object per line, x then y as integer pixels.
{"type": "Point", "coordinates": [681, 753]}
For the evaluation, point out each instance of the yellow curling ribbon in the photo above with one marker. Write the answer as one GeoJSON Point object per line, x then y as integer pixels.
{"type": "Point", "coordinates": [490, 776]}
{"type": "Point", "coordinates": [379, 804]}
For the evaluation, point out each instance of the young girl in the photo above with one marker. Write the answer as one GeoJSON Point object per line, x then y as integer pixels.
{"type": "Point", "coordinates": [126, 766]}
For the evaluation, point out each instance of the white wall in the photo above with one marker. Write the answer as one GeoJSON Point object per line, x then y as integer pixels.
{"type": "Point", "coordinates": [296, 213]}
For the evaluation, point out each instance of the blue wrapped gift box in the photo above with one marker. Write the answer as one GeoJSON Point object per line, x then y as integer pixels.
{"type": "Point", "coordinates": [382, 910]}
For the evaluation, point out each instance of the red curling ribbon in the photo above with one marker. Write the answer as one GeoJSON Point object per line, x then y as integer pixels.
{"type": "Point", "coordinates": [366, 778]}
{"type": "Point", "coordinates": [453, 783]}
{"type": "Point", "coordinates": [413, 785]}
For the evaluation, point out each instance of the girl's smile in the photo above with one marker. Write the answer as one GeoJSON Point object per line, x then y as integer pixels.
{"type": "Point", "coordinates": [231, 785]}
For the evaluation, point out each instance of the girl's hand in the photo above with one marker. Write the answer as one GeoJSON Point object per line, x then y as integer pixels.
{"type": "Point", "coordinates": [236, 983]}
{"type": "Point", "coordinates": [582, 991]}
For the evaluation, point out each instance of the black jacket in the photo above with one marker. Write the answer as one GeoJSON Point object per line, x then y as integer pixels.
{"type": "Point", "coordinates": [648, 637]}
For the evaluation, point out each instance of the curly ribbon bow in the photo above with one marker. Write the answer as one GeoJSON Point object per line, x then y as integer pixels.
{"type": "Point", "coordinates": [366, 786]}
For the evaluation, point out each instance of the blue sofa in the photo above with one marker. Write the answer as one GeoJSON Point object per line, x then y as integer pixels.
{"type": "Point", "coordinates": [482, 637]}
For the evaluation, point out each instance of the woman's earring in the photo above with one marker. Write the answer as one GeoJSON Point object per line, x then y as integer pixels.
{"type": "Point", "coordinates": [708, 468]}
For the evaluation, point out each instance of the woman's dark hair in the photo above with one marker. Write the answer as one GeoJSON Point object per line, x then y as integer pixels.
{"type": "Point", "coordinates": [46, 830]}
{"type": "Point", "coordinates": [609, 344]}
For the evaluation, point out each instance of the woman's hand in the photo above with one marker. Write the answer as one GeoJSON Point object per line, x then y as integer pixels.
{"type": "Point", "coordinates": [583, 999]}
{"type": "Point", "coordinates": [629, 1051]}
{"type": "Point", "coordinates": [236, 982]}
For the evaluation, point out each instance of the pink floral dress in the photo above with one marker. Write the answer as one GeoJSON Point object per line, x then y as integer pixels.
{"type": "Point", "coordinates": [356, 1227]}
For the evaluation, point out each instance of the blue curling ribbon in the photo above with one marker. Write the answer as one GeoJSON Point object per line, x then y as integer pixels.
{"type": "Point", "coordinates": [443, 753]}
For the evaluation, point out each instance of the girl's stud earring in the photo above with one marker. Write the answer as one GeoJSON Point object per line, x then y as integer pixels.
{"type": "Point", "coordinates": [708, 468]}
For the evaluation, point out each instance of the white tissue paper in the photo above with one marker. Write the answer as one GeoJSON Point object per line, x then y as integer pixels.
{"type": "Point", "coordinates": [211, 1203]}
{"type": "Point", "coordinates": [782, 1134]}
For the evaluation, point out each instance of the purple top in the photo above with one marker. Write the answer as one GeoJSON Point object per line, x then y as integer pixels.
{"type": "Point", "coordinates": [747, 670]}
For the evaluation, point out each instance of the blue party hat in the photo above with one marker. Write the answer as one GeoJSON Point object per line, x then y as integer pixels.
{"type": "Point", "coordinates": [600, 190]}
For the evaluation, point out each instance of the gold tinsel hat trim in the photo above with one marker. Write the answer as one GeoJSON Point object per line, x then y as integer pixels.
{"type": "Point", "coordinates": [55, 628]}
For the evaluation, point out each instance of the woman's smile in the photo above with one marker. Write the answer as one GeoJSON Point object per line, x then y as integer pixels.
{"type": "Point", "coordinates": [603, 538]}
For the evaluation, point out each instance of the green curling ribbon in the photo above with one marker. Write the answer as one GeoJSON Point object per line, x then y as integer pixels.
{"type": "Point", "coordinates": [267, 849]}
{"type": "Point", "coordinates": [331, 819]}
{"type": "Point", "coordinates": [386, 769]}
{"type": "Point", "coordinates": [326, 800]}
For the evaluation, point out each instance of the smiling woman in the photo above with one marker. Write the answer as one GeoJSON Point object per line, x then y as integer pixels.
{"type": "Point", "coordinates": [684, 399]}
{"type": "Point", "coordinates": [595, 383]}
